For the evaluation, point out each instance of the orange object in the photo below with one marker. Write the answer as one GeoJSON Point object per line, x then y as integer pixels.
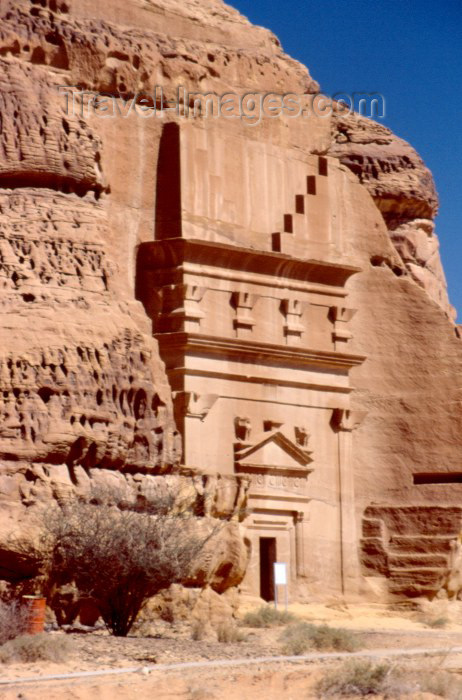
{"type": "Point", "coordinates": [36, 606]}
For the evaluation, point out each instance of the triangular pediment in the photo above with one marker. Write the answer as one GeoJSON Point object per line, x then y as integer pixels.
{"type": "Point", "coordinates": [273, 451]}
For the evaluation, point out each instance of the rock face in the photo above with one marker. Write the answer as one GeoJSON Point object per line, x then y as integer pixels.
{"type": "Point", "coordinates": [404, 192]}
{"type": "Point", "coordinates": [74, 392]}
{"type": "Point", "coordinates": [288, 277]}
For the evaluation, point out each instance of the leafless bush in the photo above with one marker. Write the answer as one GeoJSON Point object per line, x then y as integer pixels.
{"type": "Point", "coordinates": [352, 678]}
{"type": "Point", "coordinates": [13, 620]}
{"type": "Point", "coordinates": [229, 634]}
{"type": "Point", "coordinates": [436, 622]}
{"type": "Point", "coordinates": [36, 647]}
{"type": "Point", "coordinates": [432, 679]}
{"type": "Point", "coordinates": [267, 616]}
{"type": "Point", "coordinates": [435, 613]}
{"type": "Point", "coordinates": [120, 557]}
{"type": "Point", "coordinates": [198, 631]}
{"type": "Point", "coordinates": [201, 693]}
{"type": "Point", "coordinates": [301, 636]}
{"type": "Point", "coordinates": [368, 679]}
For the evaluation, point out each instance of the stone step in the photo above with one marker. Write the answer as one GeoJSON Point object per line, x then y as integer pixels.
{"type": "Point", "coordinates": [373, 527]}
{"type": "Point", "coordinates": [417, 560]}
{"type": "Point", "coordinates": [373, 555]}
{"type": "Point", "coordinates": [416, 581]}
{"type": "Point", "coordinates": [400, 544]}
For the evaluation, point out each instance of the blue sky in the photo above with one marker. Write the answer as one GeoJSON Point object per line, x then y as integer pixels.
{"type": "Point", "coordinates": [411, 52]}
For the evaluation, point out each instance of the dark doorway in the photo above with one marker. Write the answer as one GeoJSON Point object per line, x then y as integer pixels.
{"type": "Point", "coordinates": [267, 559]}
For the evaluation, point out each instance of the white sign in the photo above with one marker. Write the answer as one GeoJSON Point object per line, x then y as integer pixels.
{"type": "Point", "coordinates": [280, 574]}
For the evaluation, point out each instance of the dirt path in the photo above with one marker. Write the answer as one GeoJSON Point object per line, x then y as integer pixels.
{"type": "Point", "coordinates": [225, 678]}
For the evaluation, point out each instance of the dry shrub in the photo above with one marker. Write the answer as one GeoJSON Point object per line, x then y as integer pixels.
{"type": "Point", "coordinates": [229, 634]}
{"type": "Point", "coordinates": [200, 693]}
{"type": "Point", "coordinates": [198, 631]}
{"type": "Point", "coordinates": [435, 613]}
{"type": "Point", "coordinates": [442, 683]}
{"type": "Point", "coordinates": [119, 557]}
{"type": "Point", "coordinates": [402, 681]}
{"type": "Point", "coordinates": [119, 553]}
{"type": "Point", "coordinates": [354, 678]}
{"type": "Point", "coordinates": [13, 620]}
{"type": "Point", "coordinates": [267, 616]}
{"type": "Point", "coordinates": [365, 678]}
{"type": "Point", "coordinates": [300, 637]}
{"type": "Point", "coordinates": [36, 647]}
{"type": "Point", "coordinates": [437, 622]}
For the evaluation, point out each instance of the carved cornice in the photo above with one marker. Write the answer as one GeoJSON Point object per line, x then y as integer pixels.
{"type": "Point", "coordinates": [254, 352]}
{"type": "Point", "coordinates": [172, 253]}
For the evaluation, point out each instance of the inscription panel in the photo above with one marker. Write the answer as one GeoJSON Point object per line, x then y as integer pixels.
{"type": "Point", "coordinates": [266, 483]}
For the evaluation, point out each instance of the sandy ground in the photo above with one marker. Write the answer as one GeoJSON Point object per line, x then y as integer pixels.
{"type": "Point", "coordinates": [272, 683]}
{"type": "Point", "coordinates": [378, 626]}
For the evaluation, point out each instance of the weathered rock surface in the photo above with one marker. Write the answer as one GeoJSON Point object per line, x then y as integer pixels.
{"type": "Point", "coordinates": [203, 606]}
{"type": "Point", "coordinates": [413, 546]}
{"type": "Point", "coordinates": [404, 192]}
{"type": "Point", "coordinates": [169, 44]}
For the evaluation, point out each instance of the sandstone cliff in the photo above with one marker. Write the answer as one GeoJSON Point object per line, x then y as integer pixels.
{"type": "Point", "coordinates": [404, 192]}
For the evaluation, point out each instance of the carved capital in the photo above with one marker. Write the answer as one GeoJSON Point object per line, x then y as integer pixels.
{"type": "Point", "coordinates": [243, 300]}
{"type": "Point", "coordinates": [291, 307]}
{"type": "Point", "coordinates": [243, 303]}
{"type": "Point", "coordinates": [181, 303]}
{"type": "Point", "coordinates": [271, 425]}
{"type": "Point", "coordinates": [292, 310]}
{"type": "Point", "coordinates": [340, 316]}
{"type": "Point", "coordinates": [301, 436]}
{"type": "Point", "coordinates": [346, 419]}
{"type": "Point", "coordinates": [192, 405]}
{"type": "Point", "coordinates": [242, 428]}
